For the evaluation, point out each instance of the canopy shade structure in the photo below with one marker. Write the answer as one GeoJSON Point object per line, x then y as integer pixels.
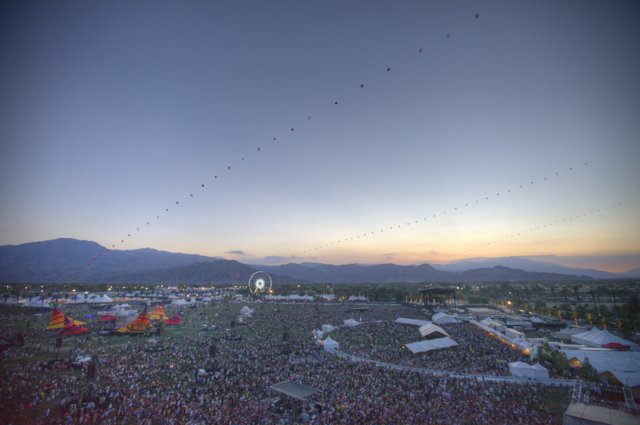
{"type": "Point", "coordinates": [70, 328]}
{"type": "Point", "coordinates": [331, 344]}
{"type": "Point", "coordinates": [351, 323]}
{"type": "Point", "coordinates": [140, 325]}
{"type": "Point", "coordinates": [444, 319]}
{"type": "Point", "coordinates": [327, 328]}
{"type": "Point", "coordinates": [430, 344]}
{"type": "Point", "coordinates": [599, 338]}
{"type": "Point", "coordinates": [414, 322]}
{"type": "Point", "coordinates": [621, 364]}
{"type": "Point", "coordinates": [433, 331]}
{"type": "Point", "coordinates": [57, 319]}
{"type": "Point", "coordinates": [158, 313]}
{"type": "Point", "coordinates": [579, 413]}
{"type": "Point", "coordinates": [536, 371]}
{"type": "Point", "coordinates": [175, 320]}
{"type": "Point", "coordinates": [295, 390]}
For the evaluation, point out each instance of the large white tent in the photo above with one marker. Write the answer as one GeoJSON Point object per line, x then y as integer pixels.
{"type": "Point", "coordinates": [598, 338]}
{"type": "Point", "coordinates": [327, 328]}
{"type": "Point", "coordinates": [523, 344]}
{"type": "Point", "coordinates": [444, 319]}
{"type": "Point", "coordinates": [624, 365]}
{"type": "Point", "coordinates": [430, 344]}
{"type": "Point", "coordinates": [414, 322]}
{"type": "Point", "coordinates": [535, 371]}
{"type": "Point", "coordinates": [432, 330]}
{"type": "Point", "coordinates": [38, 302]}
{"type": "Point", "coordinates": [351, 323]}
{"type": "Point", "coordinates": [99, 299]}
{"type": "Point", "coordinates": [331, 344]}
{"type": "Point", "coordinates": [246, 311]}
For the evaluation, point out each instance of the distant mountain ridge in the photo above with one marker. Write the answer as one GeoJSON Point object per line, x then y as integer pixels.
{"type": "Point", "coordinates": [71, 260]}
{"type": "Point", "coordinates": [66, 260]}
{"type": "Point", "coordinates": [392, 273]}
{"type": "Point", "coordinates": [524, 264]}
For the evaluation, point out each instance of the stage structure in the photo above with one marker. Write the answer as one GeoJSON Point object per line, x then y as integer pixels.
{"type": "Point", "coordinates": [438, 297]}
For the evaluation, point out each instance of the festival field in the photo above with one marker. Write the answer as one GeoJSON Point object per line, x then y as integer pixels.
{"type": "Point", "coordinates": [213, 369]}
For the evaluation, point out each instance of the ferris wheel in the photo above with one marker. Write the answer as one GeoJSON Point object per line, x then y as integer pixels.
{"type": "Point", "coordinates": [259, 282]}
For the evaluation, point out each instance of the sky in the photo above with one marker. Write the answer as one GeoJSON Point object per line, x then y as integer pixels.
{"type": "Point", "coordinates": [391, 119]}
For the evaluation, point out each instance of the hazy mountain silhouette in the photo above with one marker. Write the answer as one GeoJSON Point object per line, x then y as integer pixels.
{"type": "Point", "coordinates": [392, 273]}
{"type": "Point", "coordinates": [523, 264]}
{"type": "Point", "coordinates": [71, 260]}
{"type": "Point", "coordinates": [212, 272]}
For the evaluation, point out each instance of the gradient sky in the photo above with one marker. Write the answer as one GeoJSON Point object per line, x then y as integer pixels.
{"type": "Point", "coordinates": [112, 111]}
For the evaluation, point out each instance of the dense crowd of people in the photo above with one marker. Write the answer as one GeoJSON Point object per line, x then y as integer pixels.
{"type": "Point", "coordinates": [477, 352]}
{"type": "Point", "coordinates": [214, 370]}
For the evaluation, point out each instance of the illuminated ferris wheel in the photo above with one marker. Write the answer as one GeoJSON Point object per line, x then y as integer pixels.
{"type": "Point", "coordinates": [260, 282]}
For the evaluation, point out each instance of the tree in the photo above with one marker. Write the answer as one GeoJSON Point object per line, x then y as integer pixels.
{"type": "Point", "coordinates": [588, 372]}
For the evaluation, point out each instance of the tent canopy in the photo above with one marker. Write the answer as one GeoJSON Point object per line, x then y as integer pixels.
{"type": "Point", "coordinates": [430, 344]}
{"type": "Point", "coordinates": [327, 328]}
{"type": "Point", "coordinates": [597, 338]}
{"type": "Point", "coordinates": [415, 322]}
{"type": "Point", "coordinates": [432, 330]}
{"type": "Point", "coordinates": [295, 390]}
{"type": "Point", "coordinates": [621, 364]}
{"type": "Point", "coordinates": [351, 322]}
{"type": "Point", "coordinates": [527, 370]}
{"type": "Point", "coordinates": [330, 344]}
{"type": "Point", "coordinates": [444, 318]}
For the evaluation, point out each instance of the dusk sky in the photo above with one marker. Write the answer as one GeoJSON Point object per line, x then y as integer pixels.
{"type": "Point", "coordinates": [113, 111]}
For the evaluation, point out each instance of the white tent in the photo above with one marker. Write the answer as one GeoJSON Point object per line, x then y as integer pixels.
{"type": "Point", "coordinates": [358, 298]}
{"type": "Point", "coordinates": [99, 299]}
{"type": "Point", "coordinates": [430, 344]}
{"type": "Point", "coordinates": [621, 364]}
{"type": "Point", "coordinates": [331, 344]}
{"type": "Point", "coordinates": [415, 322]}
{"type": "Point", "coordinates": [327, 328]}
{"type": "Point", "coordinates": [328, 297]}
{"type": "Point", "coordinates": [514, 334]}
{"type": "Point", "coordinates": [179, 302]}
{"type": "Point", "coordinates": [597, 338]}
{"type": "Point", "coordinates": [432, 330]}
{"type": "Point", "coordinates": [77, 299]}
{"type": "Point", "coordinates": [492, 323]}
{"type": "Point", "coordinates": [535, 371]}
{"type": "Point", "coordinates": [246, 311]}
{"type": "Point", "coordinates": [38, 302]}
{"type": "Point", "coordinates": [444, 318]}
{"type": "Point", "coordinates": [518, 342]}
{"type": "Point", "coordinates": [351, 323]}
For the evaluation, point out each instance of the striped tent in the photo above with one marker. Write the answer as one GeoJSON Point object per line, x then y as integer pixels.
{"type": "Point", "coordinates": [175, 320]}
{"type": "Point", "coordinates": [70, 328]}
{"type": "Point", "coordinates": [57, 319]}
{"type": "Point", "coordinates": [141, 325]}
{"type": "Point", "coordinates": [158, 313]}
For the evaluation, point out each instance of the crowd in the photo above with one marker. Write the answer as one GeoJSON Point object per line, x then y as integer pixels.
{"type": "Point", "coordinates": [173, 379]}
{"type": "Point", "coordinates": [477, 351]}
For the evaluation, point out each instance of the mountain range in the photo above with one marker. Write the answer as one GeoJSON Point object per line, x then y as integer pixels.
{"type": "Point", "coordinates": [71, 260]}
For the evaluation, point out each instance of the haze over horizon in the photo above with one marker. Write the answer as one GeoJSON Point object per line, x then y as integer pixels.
{"type": "Point", "coordinates": [390, 123]}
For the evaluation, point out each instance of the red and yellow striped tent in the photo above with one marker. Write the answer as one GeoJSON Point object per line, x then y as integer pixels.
{"type": "Point", "coordinates": [141, 325]}
{"type": "Point", "coordinates": [57, 319]}
{"type": "Point", "coordinates": [158, 313]}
